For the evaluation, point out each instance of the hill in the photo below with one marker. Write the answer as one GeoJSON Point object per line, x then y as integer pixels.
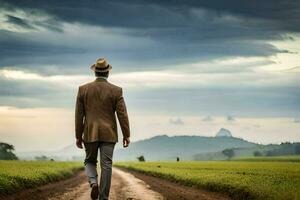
{"type": "Point", "coordinates": [164, 147]}
{"type": "Point", "coordinates": [70, 152]}
{"type": "Point", "coordinates": [270, 150]}
{"type": "Point", "coordinates": [160, 147]}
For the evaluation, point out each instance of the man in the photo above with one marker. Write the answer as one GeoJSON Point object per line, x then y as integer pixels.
{"type": "Point", "coordinates": [96, 127]}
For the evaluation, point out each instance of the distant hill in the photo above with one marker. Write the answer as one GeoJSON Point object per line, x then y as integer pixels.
{"type": "Point", "coordinates": [70, 152]}
{"type": "Point", "coordinates": [160, 147]}
{"type": "Point", "coordinates": [164, 147]}
{"type": "Point", "coordinates": [282, 149]}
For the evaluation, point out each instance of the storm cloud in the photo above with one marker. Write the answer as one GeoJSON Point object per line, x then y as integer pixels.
{"type": "Point", "coordinates": [147, 33]}
{"type": "Point", "coordinates": [224, 46]}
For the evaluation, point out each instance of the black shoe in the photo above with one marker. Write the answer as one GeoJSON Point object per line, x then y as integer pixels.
{"type": "Point", "coordinates": [94, 191]}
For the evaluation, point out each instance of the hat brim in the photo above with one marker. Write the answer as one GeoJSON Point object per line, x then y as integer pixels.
{"type": "Point", "coordinates": [93, 67]}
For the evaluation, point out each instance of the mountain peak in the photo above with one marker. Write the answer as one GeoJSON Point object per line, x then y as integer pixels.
{"type": "Point", "coordinates": [223, 133]}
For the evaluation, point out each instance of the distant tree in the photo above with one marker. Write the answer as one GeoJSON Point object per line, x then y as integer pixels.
{"type": "Point", "coordinates": [286, 148]}
{"type": "Point", "coordinates": [257, 153]}
{"type": "Point", "coordinates": [141, 158]}
{"type": "Point", "coordinates": [41, 157]}
{"type": "Point", "coordinates": [229, 153]}
{"type": "Point", "coordinates": [177, 159]}
{"type": "Point", "coordinates": [285, 143]}
{"type": "Point", "coordinates": [270, 153]}
{"type": "Point", "coordinates": [6, 152]}
{"type": "Point", "coordinates": [297, 148]}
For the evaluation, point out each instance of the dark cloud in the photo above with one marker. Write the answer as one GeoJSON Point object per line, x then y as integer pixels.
{"type": "Point", "coordinates": [42, 54]}
{"type": "Point", "coordinates": [179, 31]}
{"type": "Point", "coordinates": [74, 58]}
{"type": "Point", "coordinates": [246, 101]}
{"type": "Point", "coordinates": [164, 13]}
{"type": "Point", "coordinates": [149, 35]}
{"type": "Point", "coordinates": [35, 93]}
{"type": "Point", "coordinates": [19, 22]}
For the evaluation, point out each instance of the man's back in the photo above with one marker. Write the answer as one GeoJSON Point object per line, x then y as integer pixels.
{"type": "Point", "coordinates": [96, 105]}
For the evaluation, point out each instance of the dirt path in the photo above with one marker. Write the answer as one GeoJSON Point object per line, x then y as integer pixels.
{"type": "Point", "coordinates": [125, 186]}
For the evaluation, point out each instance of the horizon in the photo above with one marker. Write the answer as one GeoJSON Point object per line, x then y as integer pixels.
{"type": "Point", "coordinates": [191, 67]}
{"type": "Point", "coordinates": [119, 146]}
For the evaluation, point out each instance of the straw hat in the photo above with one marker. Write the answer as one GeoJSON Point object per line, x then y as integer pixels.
{"type": "Point", "coordinates": [101, 65]}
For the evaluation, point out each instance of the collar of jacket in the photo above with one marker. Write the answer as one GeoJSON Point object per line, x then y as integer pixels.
{"type": "Point", "coordinates": [98, 79]}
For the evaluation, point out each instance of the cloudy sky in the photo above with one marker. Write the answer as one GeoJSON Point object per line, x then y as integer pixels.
{"type": "Point", "coordinates": [186, 67]}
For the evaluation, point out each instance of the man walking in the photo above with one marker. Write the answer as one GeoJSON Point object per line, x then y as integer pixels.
{"type": "Point", "coordinates": [96, 127]}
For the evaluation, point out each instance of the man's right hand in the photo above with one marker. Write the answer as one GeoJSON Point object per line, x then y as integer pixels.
{"type": "Point", "coordinates": [79, 143]}
{"type": "Point", "coordinates": [126, 142]}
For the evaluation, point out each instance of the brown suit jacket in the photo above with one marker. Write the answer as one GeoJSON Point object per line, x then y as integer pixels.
{"type": "Point", "coordinates": [96, 105]}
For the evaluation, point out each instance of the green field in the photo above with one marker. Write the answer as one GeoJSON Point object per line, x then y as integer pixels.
{"type": "Point", "coordinates": [18, 175]}
{"type": "Point", "coordinates": [238, 179]}
{"type": "Point", "coordinates": [292, 158]}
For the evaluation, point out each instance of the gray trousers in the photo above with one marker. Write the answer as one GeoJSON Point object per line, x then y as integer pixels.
{"type": "Point", "coordinates": [90, 162]}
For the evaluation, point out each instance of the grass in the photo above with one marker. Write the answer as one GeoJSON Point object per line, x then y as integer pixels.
{"type": "Point", "coordinates": [238, 179]}
{"type": "Point", "coordinates": [19, 175]}
{"type": "Point", "coordinates": [292, 158]}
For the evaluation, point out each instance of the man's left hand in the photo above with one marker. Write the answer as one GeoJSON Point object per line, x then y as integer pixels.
{"type": "Point", "coordinates": [79, 143]}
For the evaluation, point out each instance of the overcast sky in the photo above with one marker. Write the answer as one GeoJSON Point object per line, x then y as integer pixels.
{"type": "Point", "coordinates": [186, 67]}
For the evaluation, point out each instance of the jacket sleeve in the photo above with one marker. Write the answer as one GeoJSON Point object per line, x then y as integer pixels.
{"type": "Point", "coordinates": [122, 115]}
{"type": "Point", "coordinates": [79, 116]}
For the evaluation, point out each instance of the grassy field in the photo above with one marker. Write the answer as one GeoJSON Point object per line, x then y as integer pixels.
{"type": "Point", "coordinates": [238, 179]}
{"type": "Point", "coordinates": [18, 175]}
{"type": "Point", "coordinates": [292, 158]}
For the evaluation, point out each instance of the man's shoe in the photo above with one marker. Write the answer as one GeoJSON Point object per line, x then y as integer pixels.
{"type": "Point", "coordinates": [94, 191]}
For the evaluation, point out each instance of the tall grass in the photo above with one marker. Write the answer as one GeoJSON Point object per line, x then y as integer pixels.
{"type": "Point", "coordinates": [18, 175]}
{"type": "Point", "coordinates": [238, 179]}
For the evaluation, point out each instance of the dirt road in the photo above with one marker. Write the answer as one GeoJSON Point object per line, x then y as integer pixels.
{"type": "Point", "coordinates": [125, 186]}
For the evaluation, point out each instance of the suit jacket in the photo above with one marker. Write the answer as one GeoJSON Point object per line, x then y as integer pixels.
{"type": "Point", "coordinates": [96, 105]}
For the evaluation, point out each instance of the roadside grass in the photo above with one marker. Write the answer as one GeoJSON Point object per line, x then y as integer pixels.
{"type": "Point", "coordinates": [237, 179]}
{"type": "Point", "coordinates": [19, 175]}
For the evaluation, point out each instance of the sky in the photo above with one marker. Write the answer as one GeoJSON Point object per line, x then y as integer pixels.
{"type": "Point", "coordinates": [186, 67]}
